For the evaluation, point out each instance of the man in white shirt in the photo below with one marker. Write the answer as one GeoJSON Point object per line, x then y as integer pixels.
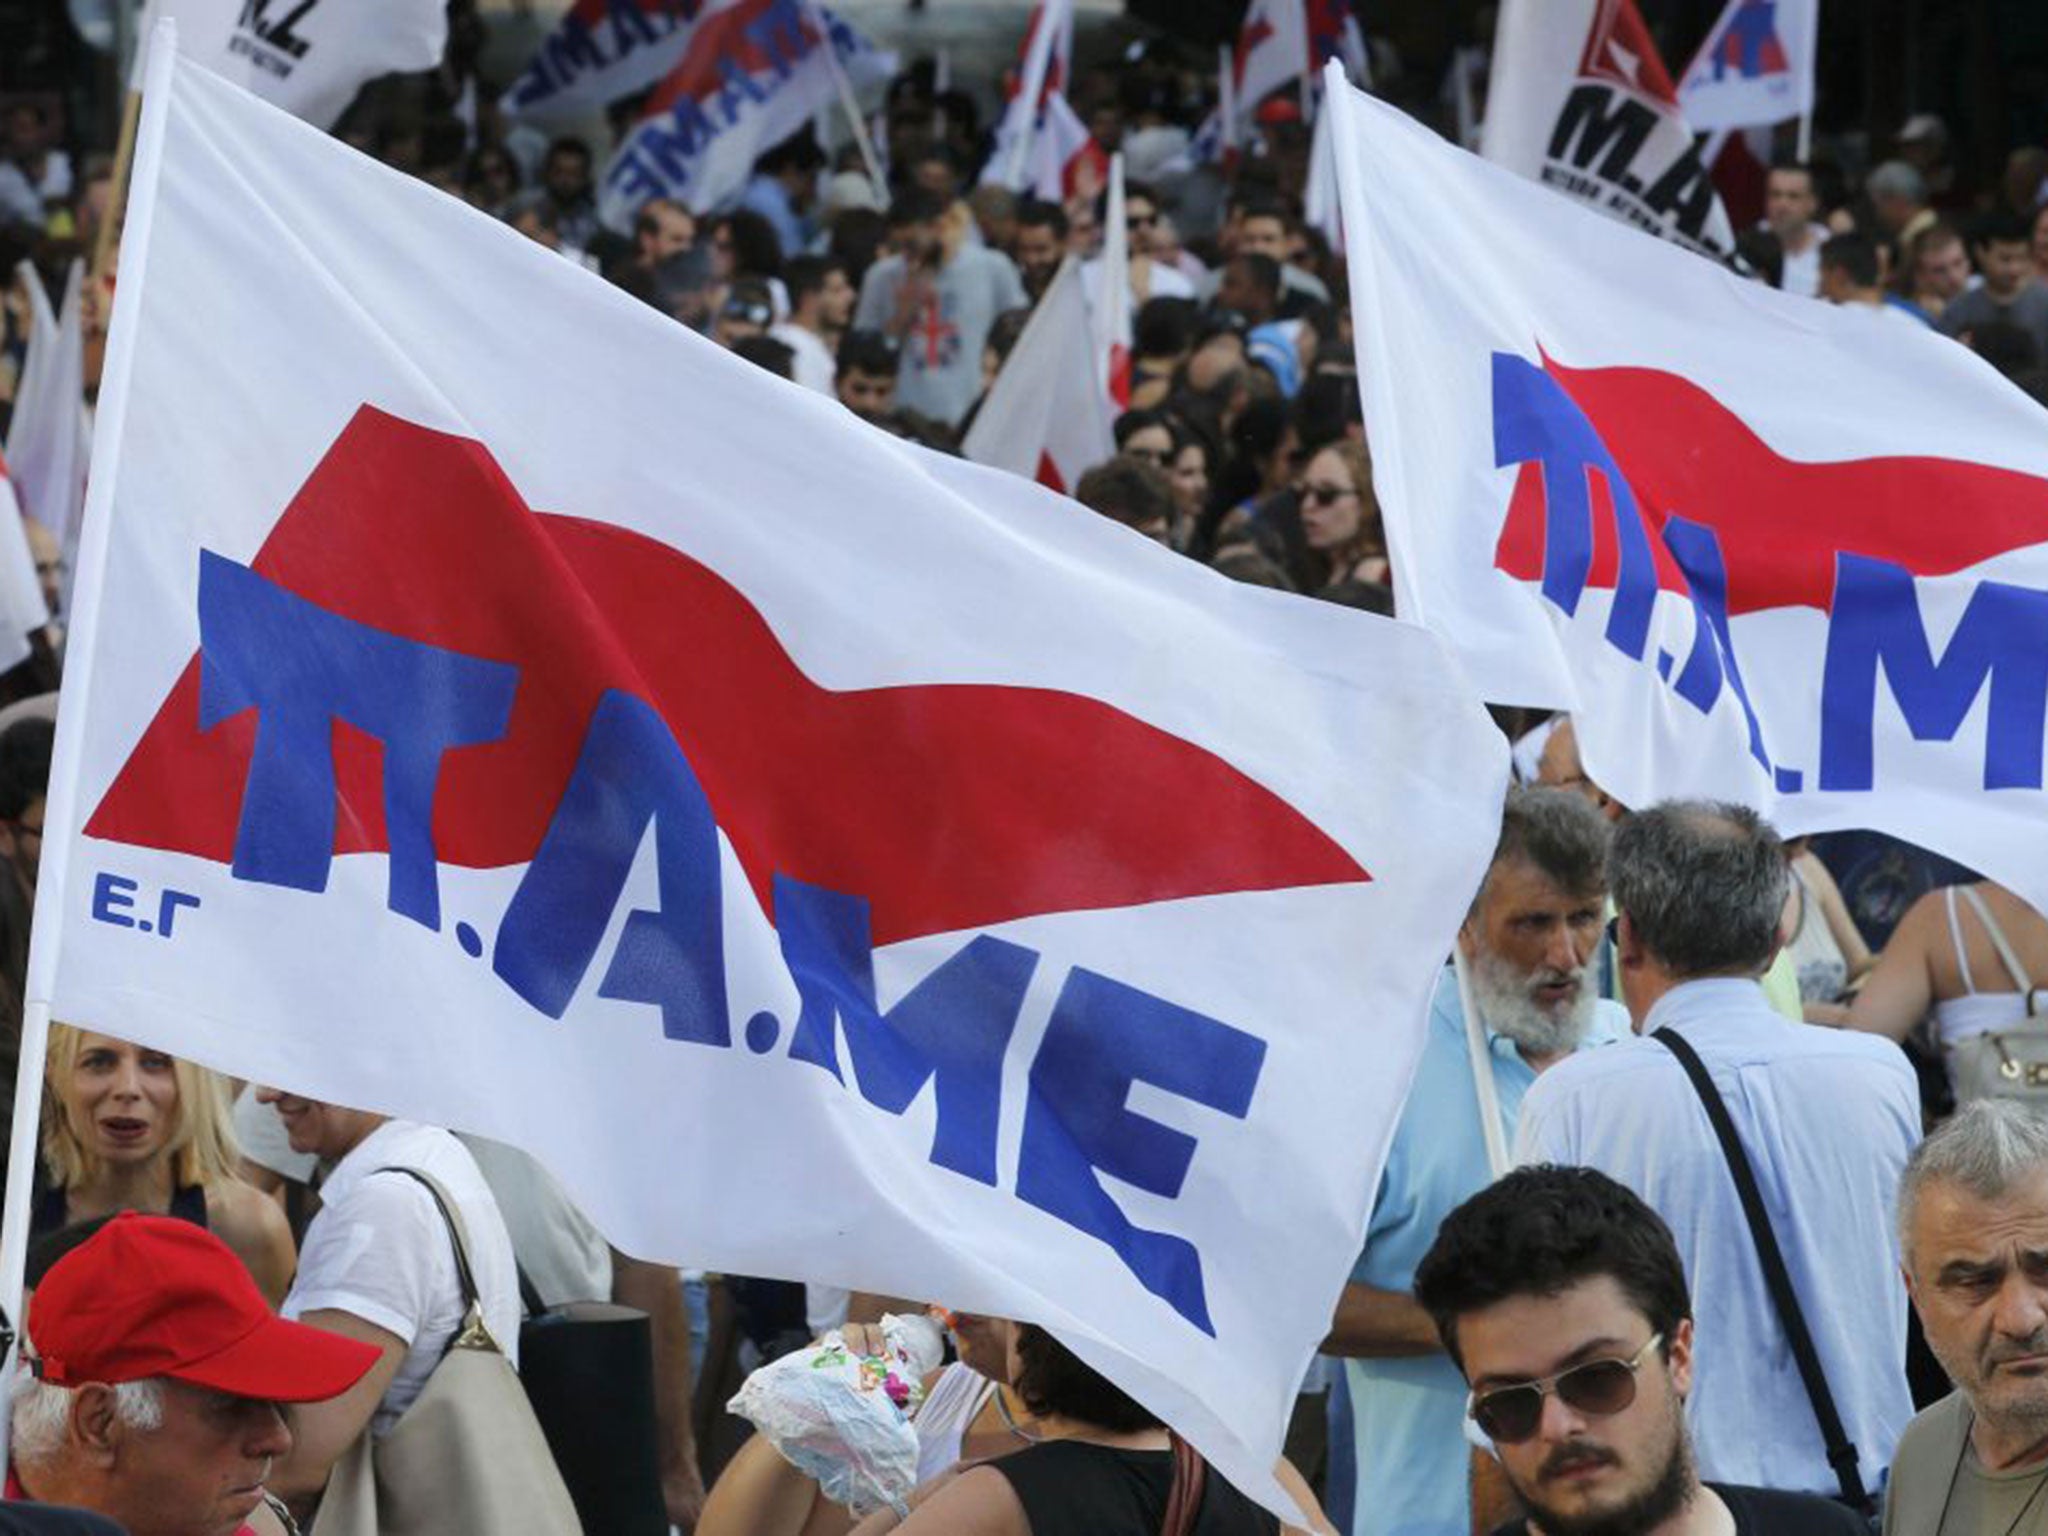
{"type": "Point", "coordinates": [820, 305]}
{"type": "Point", "coordinates": [1790, 202]}
{"type": "Point", "coordinates": [378, 1265]}
{"type": "Point", "coordinates": [1827, 1118]}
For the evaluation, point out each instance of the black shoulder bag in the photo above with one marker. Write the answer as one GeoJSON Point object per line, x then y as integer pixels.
{"type": "Point", "coordinates": [1841, 1453]}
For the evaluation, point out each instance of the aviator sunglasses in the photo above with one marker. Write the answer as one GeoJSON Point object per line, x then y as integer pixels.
{"type": "Point", "coordinates": [1510, 1415]}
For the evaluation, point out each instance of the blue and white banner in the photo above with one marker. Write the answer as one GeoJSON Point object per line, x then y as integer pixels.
{"type": "Point", "coordinates": [1755, 68]}
{"type": "Point", "coordinates": [753, 73]}
{"type": "Point", "coordinates": [1700, 513]}
{"type": "Point", "coordinates": [833, 860]}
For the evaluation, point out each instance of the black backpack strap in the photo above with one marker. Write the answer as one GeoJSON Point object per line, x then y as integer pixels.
{"type": "Point", "coordinates": [1841, 1453]}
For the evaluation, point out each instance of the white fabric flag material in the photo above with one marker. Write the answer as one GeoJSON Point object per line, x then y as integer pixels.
{"type": "Point", "coordinates": [1272, 51]}
{"type": "Point", "coordinates": [1044, 417]}
{"type": "Point", "coordinates": [755, 72]}
{"type": "Point", "coordinates": [46, 441]}
{"type": "Point", "coordinates": [1695, 511]}
{"type": "Point", "coordinates": [1111, 315]}
{"type": "Point", "coordinates": [308, 56]}
{"type": "Point", "coordinates": [1579, 100]}
{"type": "Point", "coordinates": [850, 864]}
{"type": "Point", "coordinates": [1755, 68]}
{"type": "Point", "coordinates": [14, 602]}
{"type": "Point", "coordinates": [1042, 74]}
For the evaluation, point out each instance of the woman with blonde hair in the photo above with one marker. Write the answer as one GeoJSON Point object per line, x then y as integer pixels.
{"type": "Point", "coordinates": [127, 1128]}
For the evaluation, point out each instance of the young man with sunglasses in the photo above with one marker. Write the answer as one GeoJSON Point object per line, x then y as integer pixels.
{"type": "Point", "coordinates": [1561, 1298]}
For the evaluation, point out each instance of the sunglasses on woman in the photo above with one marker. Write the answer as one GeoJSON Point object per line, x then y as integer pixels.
{"type": "Point", "coordinates": [1325, 495]}
{"type": "Point", "coordinates": [1510, 1415]}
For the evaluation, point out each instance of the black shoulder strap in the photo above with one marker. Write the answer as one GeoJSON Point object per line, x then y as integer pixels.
{"type": "Point", "coordinates": [1841, 1453]}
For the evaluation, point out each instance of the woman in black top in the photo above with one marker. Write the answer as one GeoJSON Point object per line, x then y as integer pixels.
{"type": "Point", "coordinates": [1102, 1466]}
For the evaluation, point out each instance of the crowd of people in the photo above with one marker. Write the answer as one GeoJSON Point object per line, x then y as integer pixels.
{"type": "Point", "coordinates": [1776, 1256]}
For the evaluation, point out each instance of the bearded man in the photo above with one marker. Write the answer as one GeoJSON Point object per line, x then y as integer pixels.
{"type": "Point", "coordinates": [1528, 943]}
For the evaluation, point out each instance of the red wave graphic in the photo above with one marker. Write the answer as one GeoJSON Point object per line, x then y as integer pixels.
{"type": "Point", "coordinates": [1780, 521]}
{"type": "Point", "coordinates": [948, 807]}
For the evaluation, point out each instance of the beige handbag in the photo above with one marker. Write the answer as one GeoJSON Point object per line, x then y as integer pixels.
{"type": "Point", "coordinates": [467, 1456]}
{"type": "Point", "coordinates": [2010, 1063]}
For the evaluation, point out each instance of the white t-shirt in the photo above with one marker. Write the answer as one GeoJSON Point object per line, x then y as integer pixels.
{"type": "Point", "coordinates": [380, 1251]}
{"type": "Point", "coordinates": [816, 368]}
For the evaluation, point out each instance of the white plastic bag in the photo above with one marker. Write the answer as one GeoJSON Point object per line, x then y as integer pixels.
{"type": "Point", "coordinates": [844, 1419]}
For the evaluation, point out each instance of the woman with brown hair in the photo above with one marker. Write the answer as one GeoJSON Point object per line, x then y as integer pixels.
{"type": "Point", "coordinates": [1340, 517]}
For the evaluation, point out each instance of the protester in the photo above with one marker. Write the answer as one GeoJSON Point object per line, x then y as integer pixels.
{"type": "Point", "coordinates": [820, 308]}
{"type": "Point", "coordinates": [1528, 945]}
{"type": "Point", "coordinates": [1562, 1300]}
{"type": "Point", "coordinates": [2010, 294]}
{"type": "Point", "coordinates": [784, 188]}
{"type": "Point", "coordinates": [131, 1129]}
{"type": "Point", "coordinates": [1966, 958]}
{"type": "Point", "coordinates": [865, 376]}
{"type": "Point", "coordinates": [378, 1267]}
{"type": "Point", "coordinates": [1790, 203]}
{"type": "Point", "coordinates": [1823, 943]}
{"type": "Point", "coordinates": [1852, 275]}
{"type": "Point", "coordinates": [971, 1414]}
{"type": "Point", "coordinates": [1101, 1463]}
{"type": "Point", "coordinates": [1827, 1117]}
{"type": "Point", "coordinates": [1040, 244]}
{"type": "Point", "coordinates": [157, 1383]}
{"type": "Point", "coordinates": [936, 297]}
{"type": "Point", "coordinates": [1131, 490]}
{"type": "Point", "coordinates": [1938, 270]}
{"type": "Point", "coordinates": [1340, 519]}
{"type": "Point", "coordinates": [1973, 1226]}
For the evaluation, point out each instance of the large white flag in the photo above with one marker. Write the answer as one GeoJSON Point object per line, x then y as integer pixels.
{"type": "Point", "coordinates": [1755, 68]}
{"type": "Point", "coordinates": [46, 440]}
{"type": "Point", "coordinates": [1044, 417]}
{"type": "Point", "coordinates": [754, 72]}
{"type": "Point", "coordinates": [1272, 51]}
{"type": "Point", "coordinates": [832, 859]}
{"type": "Point", "coordinates": [1579, 100]}
{"type": "Point", "coordinates": [1764, 549]}
{"type": "Point", "coordinates": [308, 56]}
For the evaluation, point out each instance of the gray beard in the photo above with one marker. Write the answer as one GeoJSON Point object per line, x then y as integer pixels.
{"type": "Point", "coordinates": [1506, 1006]}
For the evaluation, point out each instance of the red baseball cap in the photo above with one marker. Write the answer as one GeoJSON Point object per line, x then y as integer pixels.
{"type": "Point", "coordinates": [153, 1296]}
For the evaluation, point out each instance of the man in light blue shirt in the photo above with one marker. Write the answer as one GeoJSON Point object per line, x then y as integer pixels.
{"type": "Point", "coordinates": [1827, 1117]}
{"type": "Point", "coordinates": [1527, 943]}
{"type": "Point", "coordinates": [783, 189]}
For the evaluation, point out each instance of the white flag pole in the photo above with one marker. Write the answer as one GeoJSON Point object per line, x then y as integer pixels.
{"type": "Point", "coordinates": [1483, 1086]}
{"type": "Point", "coordinates": [1805, 150]}
{"type": "Point", "coordinates": [61, 811]}
{"type": "Point", "coordinates": [851, 103]}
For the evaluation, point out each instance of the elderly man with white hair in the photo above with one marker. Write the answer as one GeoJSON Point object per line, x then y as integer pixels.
{"type": "Point", "coordinates": [154, 1377]}
{"type": "Point", "coordinates": [1973, 1239]}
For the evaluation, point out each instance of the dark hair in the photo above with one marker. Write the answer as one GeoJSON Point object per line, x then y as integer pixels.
{"type": "Point", "coordinates": [1559, 832]}
{"type": "Point", "coordinates": [1260, 203]}
{"type": "Point", "coordinates": [1129, 490]}
{"type": "Point", "coordinates": [567, 144]}
{"type": "Point", "coordinates": [805, 275]}
{"type": "Point", "coordinates": [25, 764]}
{"type": "Point", "coordinates": [1262, 269]}
{"type": "Point", "coordinates": [1052, 1379]}
{"type": "Point", "coordinates": [1702, 884]}
{"type": "Point", "coordinates": [1855, 255]}
{"type": "Point", "coordinates": [914, 205]}
{"type": "Point", "coordinates": [778, 357]}
{"type": "Point", "coordinates": [2009, 348]}
{"type": "Point", "coordinates": [2002, 226]}
{"type": "Point", "coordinates": [1538, 1232]}
{"type": "Point", "coordinates": [866, 352]}
{"type": "Point", "coordinates": [1130, 423]}
{"type": "Point", "coordinates": [756, 248]}
{"type": "Point", "coordinates": [1037, 213]}
{"type": "Point", "coordinates": [1004, 330]}
{"type": "Point", "coordinates": [857, 235]}
{"type": "Point", "coordinates": [1365, 596]}
{"type": "Point", "coordinates": [1165, 328]}
{"type": "Point", "coordinates": [1763, 253]}
{"type": "Point", "coordinates": [1794, 163]}
{"type": "Point", "coordinates": [798, 152]}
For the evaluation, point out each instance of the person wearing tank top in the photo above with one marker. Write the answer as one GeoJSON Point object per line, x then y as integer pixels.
{"type": "Point", "coordinates": [1103, 1465]}
{"type": "Point", "coordinates": [1968, 957]}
